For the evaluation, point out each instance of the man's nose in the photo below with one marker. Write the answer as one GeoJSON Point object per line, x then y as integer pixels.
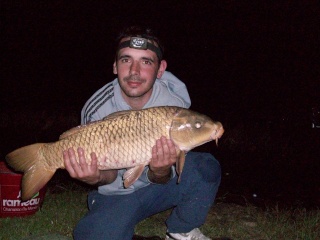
{"type": "Point", "coordinates": [134, 68]}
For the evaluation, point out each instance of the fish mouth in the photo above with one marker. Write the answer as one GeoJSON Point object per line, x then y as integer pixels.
{"type": "Point", "coordinates": [217, 133]}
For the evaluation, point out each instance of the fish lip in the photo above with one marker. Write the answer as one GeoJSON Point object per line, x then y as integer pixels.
{"type": "Point", "coordinates": [217, 133]}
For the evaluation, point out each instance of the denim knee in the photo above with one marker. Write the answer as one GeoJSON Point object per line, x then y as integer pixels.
{"type": "Point", "coordinates": [206, 165]}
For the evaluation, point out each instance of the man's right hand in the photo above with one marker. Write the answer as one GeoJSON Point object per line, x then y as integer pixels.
{"type": "Point", "coordinates": [88, 173]}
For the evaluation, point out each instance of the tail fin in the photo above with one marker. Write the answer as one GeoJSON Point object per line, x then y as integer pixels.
{"type": "Point", "coordinates": [28, 160]}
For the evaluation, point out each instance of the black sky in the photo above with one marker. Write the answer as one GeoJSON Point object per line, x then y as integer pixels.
{"type": "Point", "coordinates": [256, 60]}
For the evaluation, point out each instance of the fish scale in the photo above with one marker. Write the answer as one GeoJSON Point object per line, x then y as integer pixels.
{"type": "Point", "coordinates": [121, 140]}
{"type": "Point", "coordinates": [134, 133]}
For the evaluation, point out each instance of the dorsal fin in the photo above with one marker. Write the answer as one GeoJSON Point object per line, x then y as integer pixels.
{"type": "Point", "coordinates": [80, 128]}
{"type": "Point", "coordinates": [76, 130]}
{"type": "Point", "coordinates": [118, 114]}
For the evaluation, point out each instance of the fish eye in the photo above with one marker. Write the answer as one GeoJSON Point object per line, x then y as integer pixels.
{"type": "Point", "coordinates": [197, 125]}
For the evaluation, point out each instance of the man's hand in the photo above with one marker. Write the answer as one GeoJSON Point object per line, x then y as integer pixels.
{"type": "Point", "coordinates": [164, 155]}
{"type": "Point", "coordinates": [84, 172]}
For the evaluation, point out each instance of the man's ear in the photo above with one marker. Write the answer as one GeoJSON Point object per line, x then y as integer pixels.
{"type": "Point", "coordinates": [162, 68]}
{"type": "Point", "coordinates": [115, 71]}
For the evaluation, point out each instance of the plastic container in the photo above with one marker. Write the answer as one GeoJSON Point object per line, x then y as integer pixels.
{"type": "Point", "coordinates": [10, 192]}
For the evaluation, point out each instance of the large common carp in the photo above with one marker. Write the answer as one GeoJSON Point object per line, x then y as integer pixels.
{"type": "Point", "coordinates": [121, 140]}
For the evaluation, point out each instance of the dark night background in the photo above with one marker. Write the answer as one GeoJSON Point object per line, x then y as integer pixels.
{"type": "Point", "coordinates": [247, 62]}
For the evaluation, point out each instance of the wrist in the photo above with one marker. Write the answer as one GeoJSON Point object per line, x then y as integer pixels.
{"type": "Point", "coordinates": [106, 177]}
{"type": "Point", "coordinates": [162, 177]}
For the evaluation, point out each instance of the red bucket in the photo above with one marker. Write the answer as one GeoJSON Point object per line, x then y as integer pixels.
{"type": "Point", "coordinates": [10, 192]}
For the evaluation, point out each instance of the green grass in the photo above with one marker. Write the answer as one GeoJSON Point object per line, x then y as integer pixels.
{"type": "Point", "coordinates": [61, 211]}
{"type": "Point", "coordinates": [59, 214]}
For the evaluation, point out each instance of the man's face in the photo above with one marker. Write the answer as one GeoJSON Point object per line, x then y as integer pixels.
{"type": "Point", "coordinates": [137, 71]}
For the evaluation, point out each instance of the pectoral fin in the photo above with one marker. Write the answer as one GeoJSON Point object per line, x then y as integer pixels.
{"type": "Point", "coordinates": [180, 164]}
{"type": "Point", "coordinates": [132, 175]}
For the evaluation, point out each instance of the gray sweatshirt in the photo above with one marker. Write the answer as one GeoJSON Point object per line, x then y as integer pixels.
{"type": "Point", "coordinates": [167, 91]}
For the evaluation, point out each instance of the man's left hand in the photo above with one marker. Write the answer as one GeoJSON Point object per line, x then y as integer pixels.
{"type": "Point", "coordinates": [164, 155]}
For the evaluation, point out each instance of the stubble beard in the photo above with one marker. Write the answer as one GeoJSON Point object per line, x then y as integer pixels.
{"type": "Point", "coordinates": [128, 92]}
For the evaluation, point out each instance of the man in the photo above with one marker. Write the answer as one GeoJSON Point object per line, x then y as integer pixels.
{"type": "Point", "coordinates": [114, 211]}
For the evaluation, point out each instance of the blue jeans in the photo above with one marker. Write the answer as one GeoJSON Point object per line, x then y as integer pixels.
{"type": "Point", "coordinates": [115, 217]}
